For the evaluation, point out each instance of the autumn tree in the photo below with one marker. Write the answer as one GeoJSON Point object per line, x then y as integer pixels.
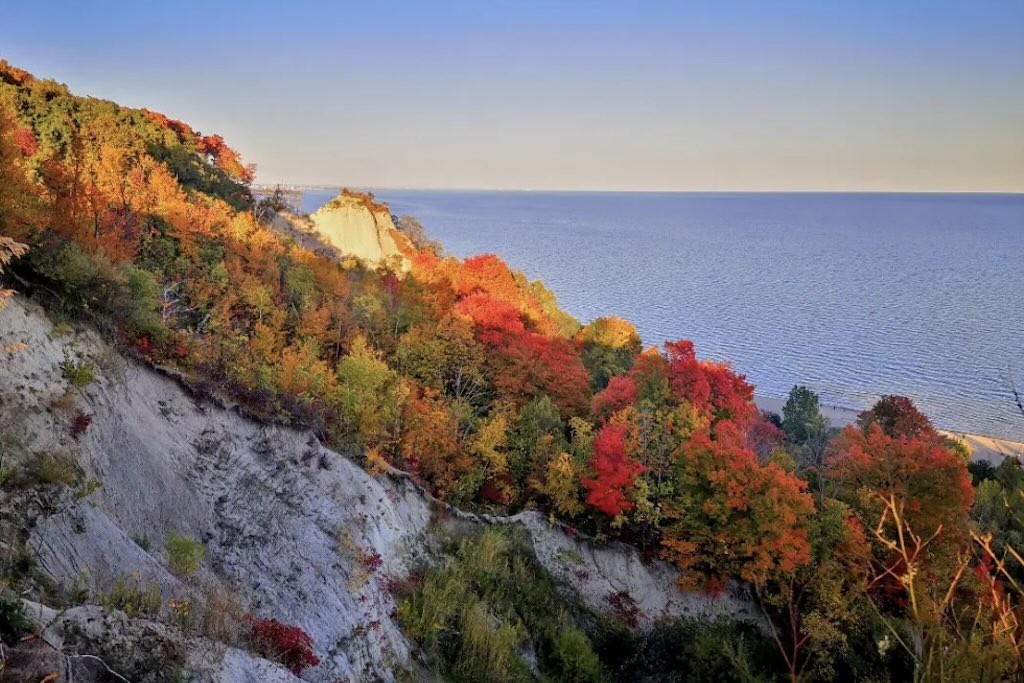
{"type": "Point", "coordinates": [445, 356]}
{"type": "Point", "coordinates": [709, 386]}
{"type": "Point", "coordinates": [732, 516]}
{"type": "Point", "coordinates": [812, 609]}
{"type": "Point", "coordinates": [370, 396]}
{"type": "Point", "coordinates": [430, 444]}
{"type": "Point", "coordinates": [609, 347]}
{"type": "Point", "coordinates": [19, 201]}
{"type": "Point", "coordinates": [872, 469]}
{"type": "Point", "coordinates": [613, 472]}
{"type": "Point", "coordinates": [897, 416]}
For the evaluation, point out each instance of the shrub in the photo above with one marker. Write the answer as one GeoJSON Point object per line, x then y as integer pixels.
{"type": "Point", "coordinates": [575, 657]}
{"type": "Point", "coordinates": [289, 645]}
{"type": "Point", "coordinates": [79, 374]}
{"type": "Point", "coordinates": [219, 618]}
{"type": "Point", "coordinates": [56, 468]}
{"type": "Point", "coordinates": [142, 540]}
{"type": "Point", "coordinates": [12, 619]}
{"type": "Point", "coordinates": [476, 614]}
{"type": "Point", "coordinates": [88, 488]}
{"type": "Point", "coordinates": [79, 424]}
{"type": "Point", "coordinates": [624, 607]}
{"type": "Point", "coordinates": [184, 554]}
{"type": "Point", "coordinates": [133, 598]}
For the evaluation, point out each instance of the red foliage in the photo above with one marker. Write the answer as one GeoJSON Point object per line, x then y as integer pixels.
{"type": "Point", "coordinates": [289, 645]}
{"type": "Point", "coordinates": [898, 417]}
{"type": "Point", "coordinates": [80, 424]}
{"type": "Point", "coordinates": [712, 387]}
{"type": "Point", "coordinates": [26, 141]}
{"type": "Point", "coordinates": [371, 561]}
{"type": "Point", "coordinates": [530, 364]}
{"type": "Point", "coordinates": [490, 315]}
{"type": "Point", "coordinates": [764, 437]}
{"type": "Point", "coordinates": [741, 518]}
{"type": "Point", "coordinates": [614, 471]}
{"type": "Point", "coordinates": [498, 489]}
{"type": "Point", "coordinates": [620, 392]}
{"type": "Point", "coordinates": [144, 345]}
{"type": "Point", "coordinates": [225, 158]}
{"type": "Point", "coordinates": [932, 482]}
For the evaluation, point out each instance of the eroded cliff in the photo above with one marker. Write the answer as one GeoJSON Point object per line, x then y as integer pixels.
{"type": "Point", "coordinates": [354, 224]}
{"type": "Point", "coordinates": [291, 530]}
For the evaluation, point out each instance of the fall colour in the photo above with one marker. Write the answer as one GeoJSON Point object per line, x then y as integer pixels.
{"type": "Point", "coordinates": [865, 548]}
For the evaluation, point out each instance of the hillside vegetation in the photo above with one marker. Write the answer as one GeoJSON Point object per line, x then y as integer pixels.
{"type": "Point", "coordinates": [865, 547]}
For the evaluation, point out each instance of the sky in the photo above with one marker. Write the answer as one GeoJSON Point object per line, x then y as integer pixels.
{"type": "Point", "coordinates": [837, 95]}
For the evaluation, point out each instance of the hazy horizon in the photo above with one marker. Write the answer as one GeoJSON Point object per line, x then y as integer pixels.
{"type": "Point", "coordinates": [797, 96]}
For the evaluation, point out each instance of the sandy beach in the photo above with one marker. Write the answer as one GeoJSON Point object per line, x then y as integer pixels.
{"type": "Point", "coordinates": [982, 447]}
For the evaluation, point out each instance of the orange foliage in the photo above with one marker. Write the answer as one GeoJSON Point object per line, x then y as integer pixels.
{"type": "Point", "coordinates": [528, 365]}
{"type": "Point", "coordinates": [931, 481]}
{"type": "Point", "coordinates": [740, 518]}
{"type": "Point", "coordinates": [430, 442]}
{"type": "Point", "coordinates": [490, 315]}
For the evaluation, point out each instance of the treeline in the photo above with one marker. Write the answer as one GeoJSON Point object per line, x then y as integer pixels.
{"type": "Point", "coordinates": [865, 547]}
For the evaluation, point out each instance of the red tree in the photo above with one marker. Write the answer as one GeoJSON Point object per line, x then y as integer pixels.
{"type": "Point", "coordinates": [712, 387]}
{"type": "Point", "coordinates": [620, 392]}
{"type": "Point", "coordinates": [931, 481]}
{"type": "Point", "coordinates": [897, 416]}
{"type": "Point", "coordinates": [614, 471]}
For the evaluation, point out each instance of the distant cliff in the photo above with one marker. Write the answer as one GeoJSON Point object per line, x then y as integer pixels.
{"type": "Point", "coordinates": [354, 224]}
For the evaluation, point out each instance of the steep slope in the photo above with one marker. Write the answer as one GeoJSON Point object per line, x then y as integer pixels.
{"type": "Point", "coordinates": [355, 225]}
{"type": "Point", "coordinates": [291, 529]}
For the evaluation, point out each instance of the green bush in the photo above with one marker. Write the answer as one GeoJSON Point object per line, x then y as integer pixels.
{"type": "Point", "coordinates": [577, 660]}
{"type": "Point", "coordinates": [79, 374]}
{"type": "Point", "coordinates": [489, 602]}
{"type": "Point", "coordinates": [184, 554]}
{"type": "Point", "coordinates": [56, 468]}
{"type": "Point", "coordinates": [133, 598]}
{"type": "Point", "coordinates": [142, 540]}
{"type": "Point", "coordinates": [690, 650]}
{"type": "Point", "coordinates": [12, 620]}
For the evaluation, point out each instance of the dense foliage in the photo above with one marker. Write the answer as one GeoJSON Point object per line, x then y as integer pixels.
{"type": "Point", "coordinates": [871, 552]}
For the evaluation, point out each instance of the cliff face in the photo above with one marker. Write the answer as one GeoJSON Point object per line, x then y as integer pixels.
{"type": "Point", "coordinates": [287, 524]}
{"type": "Point", "coordinates": [355, 225]}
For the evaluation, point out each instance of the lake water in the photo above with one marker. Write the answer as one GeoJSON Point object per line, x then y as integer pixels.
{"type": "Point", "coordinates": [854, 295]}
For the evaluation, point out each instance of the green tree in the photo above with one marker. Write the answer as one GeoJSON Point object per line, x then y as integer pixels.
{"type": "Point", "coordinates": [370, 396]}
{"type": "Point", "coordinates": [801, 415]}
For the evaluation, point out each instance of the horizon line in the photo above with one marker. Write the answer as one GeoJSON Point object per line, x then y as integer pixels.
{"type": "Point", "coordinates": [418, 188]}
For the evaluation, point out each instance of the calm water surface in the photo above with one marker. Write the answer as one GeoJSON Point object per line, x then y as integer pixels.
{"type": "Point", "coordinates": [855, 295]}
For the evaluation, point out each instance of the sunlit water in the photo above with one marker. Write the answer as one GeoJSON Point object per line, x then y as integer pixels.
{"type": "Point", "coordinates": [855, 295]}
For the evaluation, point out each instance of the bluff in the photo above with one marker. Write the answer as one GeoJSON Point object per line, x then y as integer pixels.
{"type": "Point", "coordinates": [354, 224]}
{"type": "Point", "coordinates": [286, 524]}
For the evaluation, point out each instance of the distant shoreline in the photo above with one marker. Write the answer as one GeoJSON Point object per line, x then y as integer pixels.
{"type": "Point", "coordinates": [983, 447]}
{"type": "Point", "coordinates": [269, 187]}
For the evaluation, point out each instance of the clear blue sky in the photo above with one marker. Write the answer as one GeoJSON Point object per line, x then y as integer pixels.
{"type": "Point", "coordinates": [822, 95]}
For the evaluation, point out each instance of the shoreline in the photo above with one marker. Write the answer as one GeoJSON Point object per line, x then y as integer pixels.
{"type": "Point", "coordinates": [983, 447]}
